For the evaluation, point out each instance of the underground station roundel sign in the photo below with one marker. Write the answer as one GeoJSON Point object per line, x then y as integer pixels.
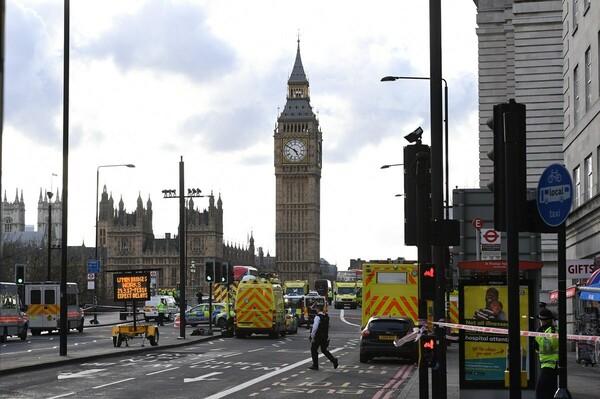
{"type": "Point", "coordinates": [554, 195]}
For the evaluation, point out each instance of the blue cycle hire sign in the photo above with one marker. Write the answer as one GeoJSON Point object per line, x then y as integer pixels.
{"type": "Point", "coordinates": [554, 195]}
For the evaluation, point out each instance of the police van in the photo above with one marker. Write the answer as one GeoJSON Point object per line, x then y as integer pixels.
{"type": "Point", "coordinates": [43, 307]}
{"type": "Point", "coordinates": [13, 320]}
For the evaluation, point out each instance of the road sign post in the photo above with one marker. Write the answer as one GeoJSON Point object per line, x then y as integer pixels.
{"type": "Point", "coordinates": [554, 200]}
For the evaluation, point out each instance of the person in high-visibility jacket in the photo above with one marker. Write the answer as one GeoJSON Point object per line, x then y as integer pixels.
{"type": "Point", "coordinates": [547, 349]}
{"type": "Point", "coordinates": [161, 308]}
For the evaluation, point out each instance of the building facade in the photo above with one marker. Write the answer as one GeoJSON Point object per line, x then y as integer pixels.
{"type": "Point", "coordinates": [520, 57]}
{"type": "Point", "coordinates": [581, 70]}
{"type": "Point", "coordinates": [126, 242]}
{"type": "Point", "coordinates": [298, 163]}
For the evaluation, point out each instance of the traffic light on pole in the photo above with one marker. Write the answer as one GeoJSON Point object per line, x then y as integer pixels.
{"type": "Point", "coordinates": [509, 128]}
{"type": "Point", "coordinates": [416, 172]}
{"type": "Point", "coordinates": [20, 274]}
{"type": "Point", "coordinates": [209, 271]}
{"type": "Point", "coordinates": [427, 276]}
{"type": "Point", "coordinates": [427, 349]}
{"type": "Point", "coordinates": [218, 272]}
{"type": "Point", "coordinates": [498, 183]}
{"type": "Point", "coordinates": [225, 273]}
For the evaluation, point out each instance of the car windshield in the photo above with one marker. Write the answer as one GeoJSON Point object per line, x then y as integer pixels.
{"type": "Point", "coordinates": [388, 325]}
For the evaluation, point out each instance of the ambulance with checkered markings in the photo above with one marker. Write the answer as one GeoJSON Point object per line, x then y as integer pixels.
{"type": "Point", "coordinates": [259, 307]}
{"type": "Point", "coordinates": [390, 289]}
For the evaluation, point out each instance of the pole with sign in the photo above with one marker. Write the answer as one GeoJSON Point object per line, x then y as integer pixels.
{"type": "Point", "coordinates": [554, 199]}
{"type": "Point", "coordinates": [477, 225]}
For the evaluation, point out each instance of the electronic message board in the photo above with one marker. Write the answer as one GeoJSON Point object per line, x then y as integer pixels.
{"type": "Point", "coordinates": [131, 286]}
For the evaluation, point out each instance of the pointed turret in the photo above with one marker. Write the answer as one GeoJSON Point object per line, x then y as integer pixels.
{"type": "Point", "coordinates": [298, 76]}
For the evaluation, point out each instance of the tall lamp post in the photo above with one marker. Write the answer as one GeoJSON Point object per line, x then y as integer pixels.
{"type": "Point", "coordinates": [393, 79]}
{"type": "Point", "coordinates": [128, 165]}
{"type": "Point", "coordinates": [49, 194]}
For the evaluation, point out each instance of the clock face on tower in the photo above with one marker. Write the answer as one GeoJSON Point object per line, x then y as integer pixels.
{"type": "Point", "coordinates": [294, 150]}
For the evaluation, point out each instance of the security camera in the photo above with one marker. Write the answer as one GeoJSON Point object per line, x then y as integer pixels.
{"type": "Point", "coordinates": [415, 137]}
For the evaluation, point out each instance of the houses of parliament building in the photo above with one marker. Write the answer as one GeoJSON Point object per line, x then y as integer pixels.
{"type": "Point", "coordinates": [126, 240]}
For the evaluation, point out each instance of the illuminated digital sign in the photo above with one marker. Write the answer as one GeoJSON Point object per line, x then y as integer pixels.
{"type": "Point", "coordinates": [131, 286]}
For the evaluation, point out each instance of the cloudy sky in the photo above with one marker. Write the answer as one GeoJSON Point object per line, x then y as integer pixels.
{"type": "Point", "coordinates": [152, 81]}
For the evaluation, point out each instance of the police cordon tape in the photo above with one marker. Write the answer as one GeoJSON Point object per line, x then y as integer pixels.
{"type": "Point", "coordinates": [417, 332]}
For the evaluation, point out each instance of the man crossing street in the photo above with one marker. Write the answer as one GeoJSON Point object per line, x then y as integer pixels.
{"type": "Point", "coordinates": [319, 337]}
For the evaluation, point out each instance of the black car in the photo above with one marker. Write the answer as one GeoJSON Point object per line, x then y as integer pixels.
{"type": "Point", "coordinates": [378, 336]}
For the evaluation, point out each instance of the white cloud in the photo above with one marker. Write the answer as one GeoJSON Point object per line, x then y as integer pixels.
{"type": "Point", "coordinates": [153, 81]}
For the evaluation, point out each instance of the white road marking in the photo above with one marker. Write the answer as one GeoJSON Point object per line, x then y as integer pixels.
{"type": "Point", "coordinates": [79, 374]}
{"type": "Point", "coordinates": [62, 396]}
{"type": "Point", "coordinates": [247, 384]}
{"type": "Point", "coordinates": [163, 371]}
{"type": "Point", "coordinates": [203, 377]}
{"type": "Point", "coordinates": [113, 383]}
{"type": "Point", "coordinates": [345, 321]}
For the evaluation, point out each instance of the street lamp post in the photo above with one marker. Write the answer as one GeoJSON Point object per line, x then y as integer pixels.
{"type": "Point", "coordinates": [394, 78]}
{"type": "Point", "coordinates": [170, 193]}
{"type": "Point", "coordinates": [128, 165]}
{"type": "Point", "coordinates": [49, 194]}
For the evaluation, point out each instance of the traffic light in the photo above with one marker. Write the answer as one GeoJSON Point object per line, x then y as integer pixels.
{"type": "Point", "coordinates": [209, 271]}
{"type": "Point", "coordinates": [498, 183]}
{"type": "Point", "coordinates": [417, 174]}
{"type": "Point", "coordinates": [427, 349]}
{"type": "Point", "coordinates": [225, 277]}
{"type": "Point", "coordinates": [509, 128]}
{"type": "Point", "coordinates": [218, 272]}
{"type": "Point", "coordinates": [427, 276]}
{"type": "Point", "coordinates": [20, 274]}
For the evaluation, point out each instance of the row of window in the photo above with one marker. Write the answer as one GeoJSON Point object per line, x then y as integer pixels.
{"type": "Point", "coordinates": [584, 183]}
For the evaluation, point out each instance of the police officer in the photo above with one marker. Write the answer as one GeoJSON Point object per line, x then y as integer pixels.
{"type": "Point", "coordinates": [319, 337]}
{"type": "Point", "coordinates": [161, 308]}
{"type": "Point", "coordinates": [547, 349]}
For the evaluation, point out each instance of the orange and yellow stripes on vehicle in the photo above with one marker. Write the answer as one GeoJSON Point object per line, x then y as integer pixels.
{"type": "Point", "coordinates": [37, 310]}
{"type": "Point", "coordinates": [253, 310]}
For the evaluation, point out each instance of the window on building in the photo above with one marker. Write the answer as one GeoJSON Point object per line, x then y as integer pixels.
{"type": "Point", "coordinates": [576, 92]}
{"type": "Point", "coordinates": [588, 184]}
{"type": "Point", "coordinates": [125, 245]}
{"type": "Point", "coordinates": [7, 224]}
{"type": "Point", "coordinates": [588, 80]}
{"type": "Point", "coordinates": [586, 5]}
{"type": "Point", "coordinates": [575, 15]}
{"type": "Point", "coordinates": [577, 184]}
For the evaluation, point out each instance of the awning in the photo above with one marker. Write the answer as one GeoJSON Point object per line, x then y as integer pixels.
{"type": "Point", "coordinates": [589, 296]}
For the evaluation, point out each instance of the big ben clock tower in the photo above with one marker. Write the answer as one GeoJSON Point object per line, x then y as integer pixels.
{"type": "Point", "coordinates": [297, 145]}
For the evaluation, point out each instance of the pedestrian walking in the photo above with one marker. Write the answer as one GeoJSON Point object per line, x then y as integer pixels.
{"type": "Point", "coordinates": [547, 349]}
{"type": "Point", "coordinates": [199, 296]}
{"type": "Point", "coordinates": [319, 337]}
{"type": "Point", "coordinates": [161, 308]}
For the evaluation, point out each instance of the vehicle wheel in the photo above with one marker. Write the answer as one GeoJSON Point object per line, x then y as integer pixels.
{"type": "Point", "coordinates": [114, 341]}
{"type": "Point", "coordinates": [364, 358]}
{"type": "Point", "coordinates": [35, 332]}
{"type": "Point", "coordinates": [154, 338]}
{"type": "Point", "coordinates": [2, 338]}
{"type": "Point", "coordinates": [23, 335]}
{"type": "Point", "coordinates": [119, 340]}
{"type": "Point", "coordinates": [283, 332]}
{"type": "Point", "coordinates": [221, 323]}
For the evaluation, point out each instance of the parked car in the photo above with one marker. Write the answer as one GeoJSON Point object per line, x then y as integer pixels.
{"type": "Point", "coordinates": [378, 336]}
{"type": "Point", "coordinates": [150, 307]}
{"type": "Point", "coordinates": [200, 313]}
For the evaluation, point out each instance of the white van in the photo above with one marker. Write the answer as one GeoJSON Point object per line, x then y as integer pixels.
{"type": "Point", "coordinates": [150, 307]}
{"type": "Point", "coordinates": [13, 320]}
{"type": "Point", "coordinates": [43, 307]}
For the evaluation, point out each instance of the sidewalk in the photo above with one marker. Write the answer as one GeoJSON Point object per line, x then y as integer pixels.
{"type": "Point", "coordinates": [582, 381]}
